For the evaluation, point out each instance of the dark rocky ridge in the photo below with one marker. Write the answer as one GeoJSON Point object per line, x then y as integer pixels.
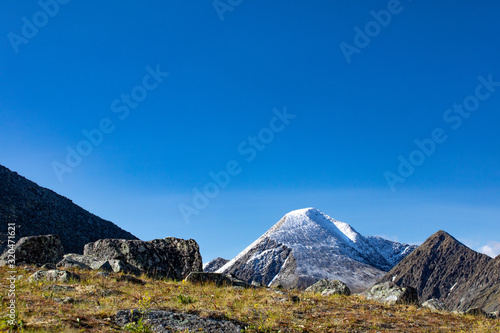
{"type": "Point", "coordinates": [436, 268]}
{"type": "Point", "coordinates": [39, 211]}
{"type": "Point", "coordinates": [214, 265]}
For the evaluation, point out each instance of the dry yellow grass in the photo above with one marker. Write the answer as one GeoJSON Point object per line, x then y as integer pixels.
{"type": "Point", "coordinates": [260, 310]}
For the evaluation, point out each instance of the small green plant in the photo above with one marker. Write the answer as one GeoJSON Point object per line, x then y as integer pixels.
{"type": "Point", "coordinates": [138, 326]}
{"type": "Point", "coordinates": [145, 302]}
{"type": "Point", "coordinates": [6, 325]}
{"type": "Point", "coordinates": [185, 299]}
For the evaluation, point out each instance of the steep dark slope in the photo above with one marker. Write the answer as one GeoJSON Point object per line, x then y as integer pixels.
{"type": "Point", "coordinates": [40, 211]}
{"type": "Point", "coordinates": [482, 290]}
{"type": "Point", "coordinates": [436, 267]}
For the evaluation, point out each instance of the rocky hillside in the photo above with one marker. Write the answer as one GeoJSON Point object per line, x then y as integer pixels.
{"type": "Point", "coordinates": [442, 268]}
{"type": "Point", "coordinates": [482, 290]}
{"type": "Point", "coordinates": [39, 211]}
{"type": "Point", "coordinates": [306, 246]}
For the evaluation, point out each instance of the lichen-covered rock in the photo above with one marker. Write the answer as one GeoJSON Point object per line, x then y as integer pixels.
{"type": "Point", "coordinates": [70, 263]}
{"type": "Point", "coordinates": [89, 261]}
{"type": "Point", "coordinates": [434, 304]}
{"type": "Point", "coordinates": [119, 266]}
{"type": "Point", "coordinates": [169, 322]}
{"type": "Point", "coordinates": [54, 275]}
{"type": "Point", "coordinates": [391, 293]}
{"type": "Point", "coordinates": [216, 278]}
{"type": "Point", "coordinates": [330, 287]}
{"type": "Point", "coordinates": [167, 258]}
{"type": "Point", "coordinates": [37, 250]}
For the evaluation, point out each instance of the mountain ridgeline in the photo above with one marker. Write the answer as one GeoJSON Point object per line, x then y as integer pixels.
{"type": "Point", "coordinates": [445, 269]}
{"type": "Point", "coordinates": [306, 246]}
{"type": "Point", "coordinates": [39, 211]}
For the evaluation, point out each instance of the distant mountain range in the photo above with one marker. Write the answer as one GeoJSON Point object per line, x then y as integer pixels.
{"type": "Point", "coordinates": [306, 245]}
{"type": "Point", "coordinates": [40, 211]}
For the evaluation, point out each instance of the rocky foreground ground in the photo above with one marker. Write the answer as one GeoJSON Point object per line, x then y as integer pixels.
{"type": "Point", "coordinates": [100, 301]}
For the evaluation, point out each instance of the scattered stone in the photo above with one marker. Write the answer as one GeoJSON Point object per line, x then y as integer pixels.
{"type": "Point", "coordinates": [434, 304]}
{"type": "Point", "coordinates": [477, 312]}
{"type": "Point", "coordinates": [218, 279]}
{"type": "Point", "coordinates": [48, 266]}
{"type": "Point", "coordinates": [391, 293]}
{"type": "Point", "coordinates": [131, 279]}
{"type": "Point", "coordinates": [54, 275]}
{"type": "Point", "coordinates": [65, 300]}
{"type": "Point", "coordinates": [256, 284]}
{"type": "Point", "coordinates": [171, 258]}
{"type": "Point", "coordinates": [330, 287]}
{"type": "Point", "coordinates": [109, 292]}
{"type": "Point", "coordinates": [67, 262]}
{"type": "Point", "coordinates": [37, 250]}
{"type": "Point", "coordinates": [169, 322]}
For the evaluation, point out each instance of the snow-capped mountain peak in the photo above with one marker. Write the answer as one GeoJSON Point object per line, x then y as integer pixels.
{"type": "Point", "coordinates": [307, 245]}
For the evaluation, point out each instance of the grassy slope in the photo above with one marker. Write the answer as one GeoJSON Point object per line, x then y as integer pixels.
{"type": "Point", "coordinates": [260, 310]}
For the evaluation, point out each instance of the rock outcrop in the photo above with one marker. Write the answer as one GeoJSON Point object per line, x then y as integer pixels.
{"type": "Point", "coordinates": [38, 211]}
{"type": "Point", "coordinates": [391, 293]}
{"type": "Point", "coordinates": [434, 304]}
{"type": "Point", "coordinates": [214, 265]}
{"type": "Point", "coordinates": [54, 275]}
{"type": "Point", "coordinates": [91, 262]}
{"type": "Point", "coordinates": [330, 287]}
{"type": "Point", "coordinates": [171, 258]}
{"type": "Point", "coordinates": [37, 250]}
{"type": "Point", "coordinates": [168, 322]}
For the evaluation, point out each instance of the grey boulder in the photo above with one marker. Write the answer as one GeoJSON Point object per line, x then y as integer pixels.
{"type": "Point", "coordinates": [171, 258]}
{"type": "Point", "coordinates": [70, 263]}
{"type": "Point", "coordinates": [37, 250]}
{"type": "Point", "coordinates": [54, 275]}
{"type": "Point", "coordinates": [434, 304]}
{"type": "Point", "coordinates": [330, 287]}
{"type": "Point", "coordinates": [391, 293]}
{"type": "Point", "coordinates": [91, 262]}
{"type": "Point", "coordinates": [169, 322]}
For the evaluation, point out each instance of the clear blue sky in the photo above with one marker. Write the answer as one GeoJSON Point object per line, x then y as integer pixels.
{"type": "Point", "coordinates": [360, 101]}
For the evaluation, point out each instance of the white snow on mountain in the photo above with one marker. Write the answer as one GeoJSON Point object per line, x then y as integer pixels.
{"type": "Point", "coordinates": [307, 245]}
